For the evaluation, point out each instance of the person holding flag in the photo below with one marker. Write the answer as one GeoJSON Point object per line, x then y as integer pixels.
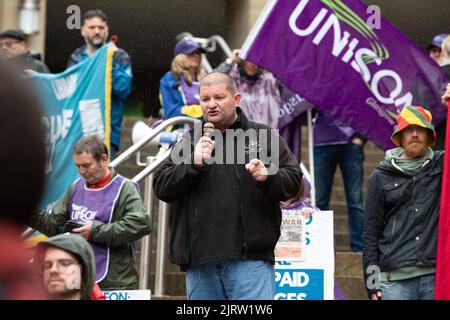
{"type": "Point", "coordinates": [95, 31]}
{"type": "Point", "coordinates": [401, 219]}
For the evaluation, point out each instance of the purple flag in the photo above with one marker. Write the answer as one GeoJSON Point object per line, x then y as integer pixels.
{"type": "Point", "coordinates": [325, 51]}
{"type": "Point", "coordinates": [292, 105]}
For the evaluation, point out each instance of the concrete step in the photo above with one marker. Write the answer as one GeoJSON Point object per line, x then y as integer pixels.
{"type": "Point", "coordinates": [340, 224]}
{"type": "Point", "coordinates": [353, 287]}
{"type": "Point", "coordinates": [349, 275]}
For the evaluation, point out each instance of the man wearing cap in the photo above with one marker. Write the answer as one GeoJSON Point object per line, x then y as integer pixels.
{"type": "Point", "coordinates": [95, 32]}
{"type": "Point", "coordinates": [401, 218]}
{"type": "Point", "coordinates": [14, 47]}
{"type": "Point", "coordinates": [179, 88]}
{"type": "Point", "coordinates": [435, 47]}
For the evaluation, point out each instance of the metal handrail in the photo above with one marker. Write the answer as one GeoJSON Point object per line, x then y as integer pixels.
{"type": "Point", "coordinates": [135, 148]}
{"type": "Point", "coordinates": [150, 168]}
{"type": "Point", "coordinates": [222, 43]}
{"type": "Point", "coordinates": [141, 143]}
{"type": "Point", "coordinates": [153, 163]}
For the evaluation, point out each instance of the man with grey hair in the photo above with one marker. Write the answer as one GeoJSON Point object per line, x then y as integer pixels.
{"type": "Point", "coordinates": [104, 208]}
{"type": "Point", "coordinates": [225, 217]}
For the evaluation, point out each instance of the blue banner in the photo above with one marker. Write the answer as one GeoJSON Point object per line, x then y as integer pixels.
{"type": "Point", "coordinates": [299, 284]}
{"type": "Point", "coordinates": [77, 102]}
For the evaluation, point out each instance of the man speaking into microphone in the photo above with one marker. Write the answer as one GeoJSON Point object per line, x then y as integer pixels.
{"type": "Point", "coordinates": [225, 216]}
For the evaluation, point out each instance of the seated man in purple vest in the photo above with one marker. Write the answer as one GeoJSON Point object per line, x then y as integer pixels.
{"type": "Point", "coordinates": [106, 209]}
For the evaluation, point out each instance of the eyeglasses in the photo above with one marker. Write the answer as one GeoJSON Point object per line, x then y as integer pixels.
{"type": "Point", "coordinates": [62, 265]}
{"type": "Point", "coordinates": [8, 44]}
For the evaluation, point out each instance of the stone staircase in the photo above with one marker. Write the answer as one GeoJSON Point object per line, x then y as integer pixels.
{"type": "Point", "coordinates": [348, 266]}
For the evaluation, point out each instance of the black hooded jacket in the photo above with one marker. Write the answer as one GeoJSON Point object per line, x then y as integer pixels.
{"type": "Point", "coordinates": [401, 217]}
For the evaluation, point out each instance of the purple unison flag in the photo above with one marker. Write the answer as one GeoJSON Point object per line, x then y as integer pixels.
{"type": "Point", "coordinates": [325, 51]}
{"type": "Point", "coordinates": [292, 105]}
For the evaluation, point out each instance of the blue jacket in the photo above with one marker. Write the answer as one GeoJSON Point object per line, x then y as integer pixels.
{"type": "Point", "coordinates": [122, 76]}
{"type": "Point", "coordinates": [172, 100]}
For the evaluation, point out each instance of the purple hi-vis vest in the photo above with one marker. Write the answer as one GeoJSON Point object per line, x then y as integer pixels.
{"type": "Point", "coordinates": [95, 205]}
{"type": "Point", "coordinates": [190, 94]}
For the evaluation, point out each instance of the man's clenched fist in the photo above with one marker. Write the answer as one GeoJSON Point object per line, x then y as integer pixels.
{"type": "Point", "coordinates": [203, 151]}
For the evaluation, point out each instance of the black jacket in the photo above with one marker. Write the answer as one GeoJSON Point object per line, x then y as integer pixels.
{"type": "Point", "coordinates": [220, 211]}
{"type": "Point", "coordinates": [29, 61]}
{"type": "Point", "coordinates": [401, 217]}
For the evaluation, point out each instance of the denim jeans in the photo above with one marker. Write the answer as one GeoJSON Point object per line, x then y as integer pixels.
{"type": "Point", "coordinates": [417, 288]}
{"type": "Point", "coordinates": [231, 280]}
{"type": "Point", "coordinates": [350, 158]}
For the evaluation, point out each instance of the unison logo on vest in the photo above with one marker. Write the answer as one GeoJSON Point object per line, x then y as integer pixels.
{"type": "Point", "coordinates": [82, 214]}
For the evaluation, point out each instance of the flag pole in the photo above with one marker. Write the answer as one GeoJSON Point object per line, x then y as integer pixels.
{"type": "Point", "coordinates": [311, 158]}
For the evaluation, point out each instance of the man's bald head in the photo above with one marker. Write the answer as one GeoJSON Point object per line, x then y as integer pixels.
{"type": "Point", "coordinates": [219, 99]}
{"type": "Point", "coordinates": [216, 78]}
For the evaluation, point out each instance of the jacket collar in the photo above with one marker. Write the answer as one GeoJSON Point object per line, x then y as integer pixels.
{"type": "Point", "coordinates": [240, 123]}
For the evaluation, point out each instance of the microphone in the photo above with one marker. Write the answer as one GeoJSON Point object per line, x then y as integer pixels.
{"type": "Point", "coordinates": [208, 129]}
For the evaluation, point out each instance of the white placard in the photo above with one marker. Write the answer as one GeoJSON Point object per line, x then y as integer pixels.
{"type": "Point", "coordinates": [128, 295]}
{"type": "Point", "coordinates": [313, 278]}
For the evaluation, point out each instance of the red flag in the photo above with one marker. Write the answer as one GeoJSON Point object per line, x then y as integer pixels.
{"type": "Point", "coordinates": [442, 290]}
{"type": "Point", "coordinates": [97, 293]}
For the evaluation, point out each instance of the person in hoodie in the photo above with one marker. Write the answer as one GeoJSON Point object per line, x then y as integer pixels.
{"type": "Point", "coordinates": [66, 265]}
{"type": "Point", "coordinates": [402, 208]}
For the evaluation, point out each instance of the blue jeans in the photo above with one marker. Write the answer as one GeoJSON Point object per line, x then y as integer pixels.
{"type": "Point", "coordinates": [350, 158]}
{"type": "Point", "coordinates": [231, 280]}
{"type": "Point", "coordinates": [417, 288]}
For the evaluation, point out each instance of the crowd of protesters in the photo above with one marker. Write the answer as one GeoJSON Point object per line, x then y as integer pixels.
{"type": "Point", "coordinates": [225, 220]}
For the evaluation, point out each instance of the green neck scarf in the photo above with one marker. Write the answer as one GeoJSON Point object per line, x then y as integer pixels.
{"type": "Point", "coordinates": [409, 166]}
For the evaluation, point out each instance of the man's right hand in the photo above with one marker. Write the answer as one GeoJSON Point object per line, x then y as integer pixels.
{"type": "Point", "coordinates": [203, 151]}
{"type": "Point", "coordinates": [376, 295]}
